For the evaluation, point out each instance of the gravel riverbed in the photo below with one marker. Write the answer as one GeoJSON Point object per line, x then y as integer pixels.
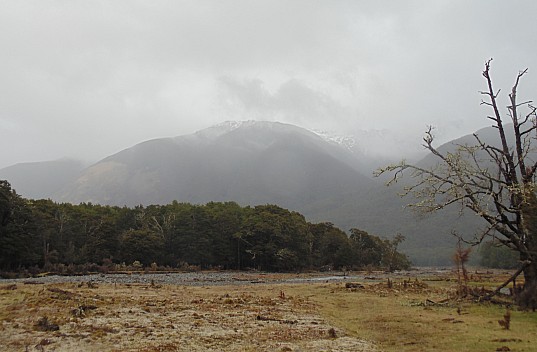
{"type": "Point", "coordinates": [214, 278]}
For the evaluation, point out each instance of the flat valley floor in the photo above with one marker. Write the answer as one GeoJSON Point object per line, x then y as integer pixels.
{"type": "Point", "coordinates": [255, 312]}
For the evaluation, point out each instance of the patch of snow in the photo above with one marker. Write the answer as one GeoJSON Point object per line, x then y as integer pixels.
{"type": "Point", "coordinates": [348, 142]}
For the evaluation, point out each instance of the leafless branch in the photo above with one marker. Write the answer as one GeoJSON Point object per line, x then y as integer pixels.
{"type": "Point", "coordinates": [492, 181]}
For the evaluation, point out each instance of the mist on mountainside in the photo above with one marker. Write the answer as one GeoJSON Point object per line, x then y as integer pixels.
{"type": "Point", "coordinates": [326, 177]}
{"type": "Point", "coordinates": [38, 180]}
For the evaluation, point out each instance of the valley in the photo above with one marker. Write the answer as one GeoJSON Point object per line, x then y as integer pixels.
{"type": "Point", "coordinates": [237, 311]}
{"type": "Point", "coordinates": [327, 179]}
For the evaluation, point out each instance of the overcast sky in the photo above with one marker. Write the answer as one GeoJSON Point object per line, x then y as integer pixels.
{"type": "Point", "coordinates": [87, 79]}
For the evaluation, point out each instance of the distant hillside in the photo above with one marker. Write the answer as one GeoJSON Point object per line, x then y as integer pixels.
{"type": "Point", "coordinates": [251, 163]}
{"type": "Point", "coordinates": [38, 180]}
{"type": "Point", "coordinates": [257, 163]}
{"type": "Point", "coordinates": [381, 210]}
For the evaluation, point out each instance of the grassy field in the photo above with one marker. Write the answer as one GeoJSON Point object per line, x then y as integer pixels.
{"type": "Point", "coordinates": [401, 319]}
{"type": "Point", "coordinates": [408, 314]}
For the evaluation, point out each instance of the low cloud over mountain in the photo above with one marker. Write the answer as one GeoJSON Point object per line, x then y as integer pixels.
{"type": "Point", "coordinates": [323, 177]}
{"type": "Point", "coordinates": [251, 163]}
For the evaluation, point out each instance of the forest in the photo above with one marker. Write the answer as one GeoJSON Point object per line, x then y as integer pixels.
{"type": "Point", "coordinates": [45, 236]}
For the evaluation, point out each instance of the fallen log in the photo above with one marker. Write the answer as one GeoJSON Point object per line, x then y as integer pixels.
{"type": "Point", "coordinates": [283, 321]}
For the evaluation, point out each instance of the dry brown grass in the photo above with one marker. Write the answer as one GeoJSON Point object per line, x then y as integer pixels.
{"type": "Point", "coordinates": [167, 318]}
{"type": "Point", "coordinates": [411, 315]}
{"type": "Point", "coordinates": [420, 317]}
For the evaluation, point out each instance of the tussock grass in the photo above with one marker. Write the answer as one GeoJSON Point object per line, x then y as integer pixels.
{"type": "Point", "coordinates": [410, 315]}
{"type": "Point", "coordinates": [396, 320]}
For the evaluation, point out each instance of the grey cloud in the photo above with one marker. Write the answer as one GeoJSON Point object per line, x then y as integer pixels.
{"type": "Point", "coordinates": [91, 78]}
{"type": "Point", "coordinates": [292, 102]}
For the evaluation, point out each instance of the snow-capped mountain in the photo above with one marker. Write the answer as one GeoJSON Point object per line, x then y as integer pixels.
{"type": "Point", "coordinates": [325, 176]}
{"type": "Point", "coordinates": [251, 162]}
{"type": "Point", "coordinates": [374, 148]}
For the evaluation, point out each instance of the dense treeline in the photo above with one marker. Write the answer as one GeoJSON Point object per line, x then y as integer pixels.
{"type": "Point", "coordinates": [45, 234]}
{"type": "Point", "coordinates": [494, 255]}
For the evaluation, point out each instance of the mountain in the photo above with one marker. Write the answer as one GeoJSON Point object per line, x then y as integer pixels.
{"type": "Point", "coordinates": [381, 210]}
{"type": "Point", "coordinates": [374, 148]}
{"type": "Point", "coordinates": [254, 163]}
{"type": "Point", "coordinates": [250, 162]}
{"type": "Point", "coordinates": [38, 180]}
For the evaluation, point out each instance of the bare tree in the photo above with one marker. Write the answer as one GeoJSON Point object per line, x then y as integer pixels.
{"type": "Point", "coordinates": [496, 180]}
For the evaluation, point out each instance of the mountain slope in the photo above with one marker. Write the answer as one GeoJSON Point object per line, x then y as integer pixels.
{"type": "Point", "coordinates": [252, 163]}
{"type": "Point", "coordinates": [41, 179]}
{"type": "Point", "coordinates": [381, 210]}
{"type": "Point", "coordinates": [257, 163]}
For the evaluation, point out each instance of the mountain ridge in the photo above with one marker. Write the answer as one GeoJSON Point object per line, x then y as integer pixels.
{"type": "Point", "coordinates": [207, 166]}
{"type": "Point", "coordinates": [41, 179]}
{"type": "Point", "coordinates": [253, 163]}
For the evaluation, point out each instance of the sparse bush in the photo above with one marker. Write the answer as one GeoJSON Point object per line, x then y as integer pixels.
{"type": "Point", "coordinates": [107, 266]}
{"type": "Point", "coordinates": [121, 267]}
{"type": "Point", "coordinates": [460, 258]}
{"type": "Point", "coordinates": [136, 266]}
{"type": "Point", "coordinates": [70, 269]}
{"type": "Point", "coordinates": [506, 321]}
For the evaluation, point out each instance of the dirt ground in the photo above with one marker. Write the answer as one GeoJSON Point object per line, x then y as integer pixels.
{"type": "Point", "coordinates": [85, 316]}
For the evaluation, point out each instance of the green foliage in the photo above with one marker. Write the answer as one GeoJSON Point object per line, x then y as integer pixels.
{"type": "Point", "coordinates": [141, 245]}
{"type": "Point", "coordinates": [277, 239]}
{"type": "Point", "coordinates": [494, 255]}
{"type": "Point", "coordinates": [266, 237]}
{"type": "Point", "coordinates": [19, 244]}
{"type": "Point", "coordinates": [373, 250]}
{"type": "Point", "coordinates": [6, 195]}
{"type": "Point", "coordinates": [331, 247]}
